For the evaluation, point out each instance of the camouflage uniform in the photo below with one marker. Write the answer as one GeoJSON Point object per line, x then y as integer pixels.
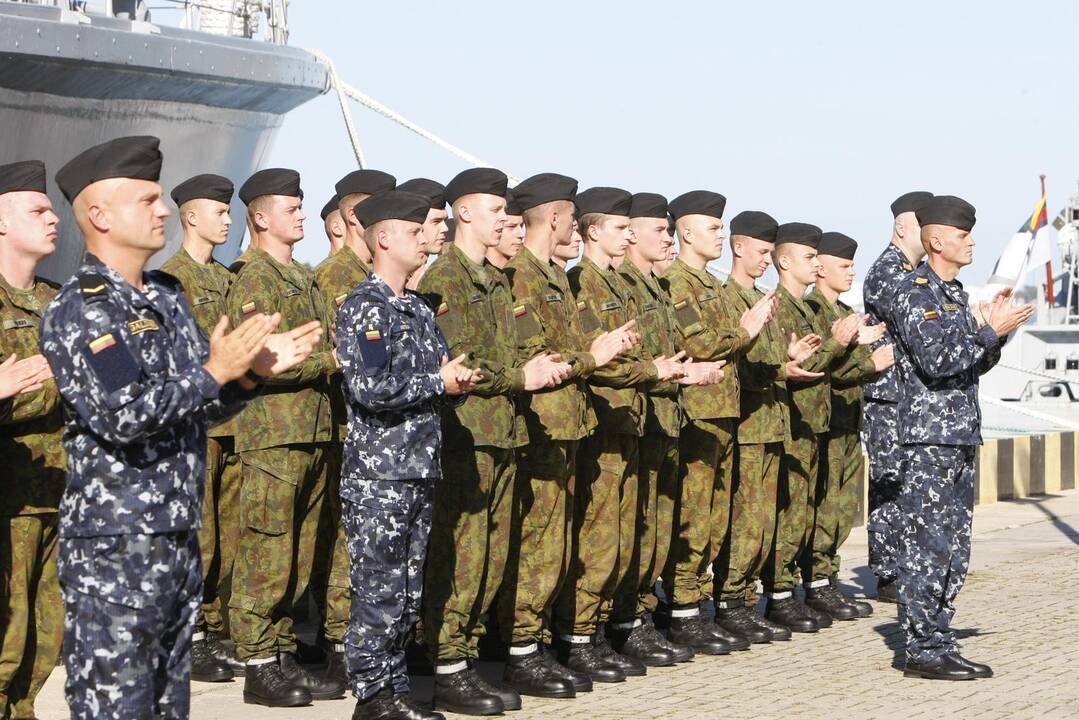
{"type": "Point", "coordinates": [548, 321]}
{"type": "Point", "coordinates": [708, 332]}
{"type": "Point", "coordinates": [880, 433]}
{"type": "Point", "coordinates": [282, 441]}
{"type": "Point", "coordinates": [30, 431]}
{"type": "Point", "coordinates": [762, 430]}
{"type": "Point", "coordinates": [944, 353]}
{"type": "Point", "coordinates": [810, 409]}
{"type": "Point", "coordinates": [391, 351]}
{"type": "Point", "coordinates": [137, 403]}
{"type": "Point", "coordinates": [206, 288]}
{"type": "Point", "coordinates": [658, 486]}
{"type": "Point", "coordinates": [474, 503]}
{"type": "Point", "coordinates": [605, 508]}
{"type": "Point", "coordinates": [838, 495]}
{"type": "Point", "coordinates": [335, 276]}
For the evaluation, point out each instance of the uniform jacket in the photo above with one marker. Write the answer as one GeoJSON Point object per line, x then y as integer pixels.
{"type": "Point", "coordinates": [878, 294]}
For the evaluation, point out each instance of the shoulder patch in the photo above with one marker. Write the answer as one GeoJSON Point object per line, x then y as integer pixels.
{"type": "Point", "coordinates": [92, 286]}
{"type": "Point", "coordinates": [442, 309]}
{"type": "Point", "coordinates": [248, 307]}
{"type": "Point", "coordinates": [685, 314]}
{"type": "Point", "coordinates": [373, 351]}
{"type": "Point", "coordinates": [340, 299]}
{"type": "Point", "coordinates": [111, 362]}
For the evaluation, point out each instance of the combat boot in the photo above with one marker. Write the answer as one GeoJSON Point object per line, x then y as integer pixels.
{"type": "Point", "coordinates": [224, 653]}
{"type": "Point", "coordinates": [265, 684]}
{"type": "Point", "coordinates": [639, 644]}
{"type": "Point", "coordinates": [321, 688]}
{"type": "Point", "coordinates": [205, 667]}
{"type": "Point", "coordinates": [336, 667]}
{"type": "Point", "coordinates": [690, 630]}
{"type": "Point", "coordinates": [981, 670]}
{"type": "Point", "coordinates": [511, 699]}
{"type": "Point", "coordinates": [388, 706]}
{"type": "Point", "coordinates": [779, 632]}
{"type": "Point", "coordinates": [529, 675]}
{"type": "Point", "coordinates": [581, 682]}
{"type": "Point", "coordinates": [739, 620]}
{"type": "Point", "coordinates": [788, 612]}
{"type": "Point", "coordinates": [734, 641]}
{"type": "Point", "coordinates": [823, 619]}
{"type": "Point", "coordinates": [582, 657]}
{"type": "Point", "coordinates": [680, 653]}
{"type": "Point", "coordinates": [458, 692]}
{"type": "Point", "coordinates": [630, 666]}
{"type": "Point", "coordinates": [863, 608]}
{"type": "Point", "coordinates": [945, 667]}
{"type": "Point", "coordinates": [887, 591]}
{"type": "Point", "coordinates": [827, 600]}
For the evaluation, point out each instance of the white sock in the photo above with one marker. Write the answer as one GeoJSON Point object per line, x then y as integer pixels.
{"type": "Point", "coordinates": [452, 668]}
{"type": "Point", "coordinates": [261, 661]}
{"type": "Point", "coordinates": [525, 650]}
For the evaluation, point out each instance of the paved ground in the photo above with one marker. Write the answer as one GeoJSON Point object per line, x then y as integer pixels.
{"type": "Point", "coordinates": [1017, 612]}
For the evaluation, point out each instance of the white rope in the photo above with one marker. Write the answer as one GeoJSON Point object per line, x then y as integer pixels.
{"type": "Point", "coordinates": [372, 104]}
{"type": "Point", "coordinates": [346, 111]}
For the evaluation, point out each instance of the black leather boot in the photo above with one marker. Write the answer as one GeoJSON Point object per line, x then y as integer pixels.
{"type": "Point", "coordinates": [981, 670]}
{"type": "Point", "coordinates": [265, 684]}
{"type": "Point", "coordinates": [945, 667]}
{"type": "Point", "coordinates": [409, 709]}
{"type": "Point", "coordinates": [691, 631]}
{"type": "Point", "coordinates": [511, 699]}
{"type": "Point", "coordinates": [336, 667]}
{"type": "Point", "coordinates": [788, 613]}
{"type": "Point", "coordinates": [638, 644]}
{"type": "Point", "coordinates": [738, 620]}
{"type": "Point", "coordinates": [458, 692]}
{"type": "Point", "coordinates": [631, 667]}
{"type": "Point", "coordinates": [827, 600]}
{"type": "Point", "coordinates": [321, 688]}
{"type": "Point", "coordinates": [388, 706]}
{"type": "Point", "coordinates": [734, 641]}
{"type": "Point", "coordinates": [779, 632]}
{"type": "Point", "coordinates": [205, 667]}
{"type": "Point", "coordinates": [529, 675]}
{"type": "Point", "coordinates": [583, 658]}
{"type": "Point", "coordinates": [581, 682]}
{"type": "Point", "coordinates": [887, 591]}
{"type": "Point", "coordinates": [823, 619]}
{"type": "Point", "coordinates": [680, 653]}
{"type": "Point", "coordinates": [863, 608]}
{"type": "Point", "coordinates": [225, 653]}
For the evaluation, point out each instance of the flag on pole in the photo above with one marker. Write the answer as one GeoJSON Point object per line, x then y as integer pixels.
{"type": "Point", "coordinates": [1028, 249]}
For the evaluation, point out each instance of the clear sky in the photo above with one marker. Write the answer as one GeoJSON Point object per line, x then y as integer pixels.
{"type": "Point", "coordinates": [817, 112]}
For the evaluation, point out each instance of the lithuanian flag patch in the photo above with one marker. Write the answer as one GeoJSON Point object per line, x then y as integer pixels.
{"type": "Point", "coordinates": [680, 304]}
{"type": "Point", "coordinates": [581, 305]}
{"type": "Point", "coordinates": [340, 299]}
{"type": "Point", "coordinates": [247, 308]}
{"type": "Point", "coordinates": [442, 309]}
{"type": "Point", "coordinates": [519, 310]}
{"type": "Point", "coordinates": [373, 335]}
{"type": "Point", "coordinates": [102, 343]}
{"type": "Point", "coordinates": [930, 314]}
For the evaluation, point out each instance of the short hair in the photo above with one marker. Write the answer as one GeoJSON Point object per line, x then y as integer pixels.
{"type": "Point", "coordinates": [260, 204]}
{"type": "Point", "coordinates": [924, 237]}
{"type": "Point", "coordinates": [588, 220]}
{"type": "Point", "coordinates": [348, 202]}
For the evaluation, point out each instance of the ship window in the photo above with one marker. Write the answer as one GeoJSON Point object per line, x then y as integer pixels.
{"type": "Point", "coordinates": [1050, 363]}
{"type": "Point", "coordinates": [1073, 363]}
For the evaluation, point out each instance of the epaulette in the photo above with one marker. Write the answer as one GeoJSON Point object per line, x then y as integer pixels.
{"type": "Point", "coordinates": [92, 287]}
{"type": "Point", "coordinates": [921, 280]}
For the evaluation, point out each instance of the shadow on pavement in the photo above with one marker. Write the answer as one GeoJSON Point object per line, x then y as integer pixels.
{"type": "Point", "coordinates": [1038, 502]}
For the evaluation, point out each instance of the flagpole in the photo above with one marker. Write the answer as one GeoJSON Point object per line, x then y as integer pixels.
{"type": "Point", "coordinates": [1049, 263]}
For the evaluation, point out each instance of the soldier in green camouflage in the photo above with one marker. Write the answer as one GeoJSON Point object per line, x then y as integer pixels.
{"type": "Point", "coordinates": [838, 494]}
{"type": "Point", "coordinates": [473, 512]}
{"type": "Point", "coordinates": [283, 439]}
{"type": "Point", "coordinates": [435, 228]}
{"type": "Point", "coordinates": [333, 224]}
{"type": "Point", "coordinates": [512, 238]}
{"type": "Point", "coordinates": [203, 203]}
{"type": "Point", "coordinates": [709, 330]}
{"type": "Point", "coordinates": [547, 321]}
{"type": "Point", "coordinates": [31, 424]}
{"type": "Point", "coordinates": [764, 426]}
{"type": "Point", "coordinates": [658, 474]}
{"type": "Point", "coordinates": [809, 401]}
{"type": "Point", "coordinates": [605, 509]}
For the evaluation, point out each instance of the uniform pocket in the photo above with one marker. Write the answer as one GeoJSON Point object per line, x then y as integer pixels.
{"type": "Point", "coordinates": [268, 490]}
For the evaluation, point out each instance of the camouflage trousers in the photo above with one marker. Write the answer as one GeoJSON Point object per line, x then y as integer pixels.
{"type": "Point", "coordinates": [604, 524]}
{"type": "Point", "coordinates": [130, 606]}
{"type": "Point", "coordinates": [330, 572]}
{"type": "Point", "coordinates": [220, 529]}
{"type": "Point", "coordinates": [702, 520]}
{"type": "Point", "coordinates": [753, 521]}
{"type": "Point", "coordinates": [937, 502]}
{"type": "Point", "coordinates": [31, 615]}
{"type": "Point", "coordinates": [387, 524]}
{"type": "Point", "coordinates": [880, 434]}
{"type": "Point", "coordinates": [794, 513]}
{"type": "Point", "coordinates": [470, 540]}
{"type": "Point", "coordinates": [539, 552]}
{"type": "Point", "coordinates": [657, 500]}
{"type": "Point", "coordinates": [281, 498]}
{"type": "Point", "coordinates": [835, 502]}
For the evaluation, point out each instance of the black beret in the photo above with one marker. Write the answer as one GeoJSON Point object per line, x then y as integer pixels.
{"type": "Point", "coordinates": [476, 180]}
{"type": "Point", "coordinates": [698, 202]}
{"type": "Point", "coordinates": [137, 157]}
{"type": "Point", "coordinates": [798, 233]}
{"type": "Point", "coordinates": [947, 210]}
{"type": "Point", "coordinates": [544, 188]}
{"type": "Point", "coordinates": [209, 186]}
{"type": "Point", "coordinates": [367, 182]}
{"type": "Point", "coordinates": [392, 205]}
{"type": "Point", "coordinates": [435, 192]}
{"type": "Point", "coordinates": [22, 175]}
{"type": "Point", "coordinates": [837, 245]}
{"type": "Point", "coordinates": [755, 224]}
{"type": "Point", "coordinates": [606, 200]}
{"type": "Point", "coordinates": [271, 181]}
{"type": "Point", "coordinates": [513, 207]}
{"type": "Point", "coordinates": [648, 205]}
{"type": "Point", "coordinates": [910, 202]}
{"type": "Point", "coordinates": [332, 204]}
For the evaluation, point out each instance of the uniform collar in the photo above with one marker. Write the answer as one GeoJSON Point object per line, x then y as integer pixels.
{"type": "Point", "coordinates": [17, 296]}
{"type": "Point", "coordinates": [349, 255]}
{"type": "Point", "coordinates": [293, 273]}
{"type": "Point", "coordinates": [900, 257]}
{"type": "Point", "coordinates": [132, 296]}
{"type": "Point", "coordinates": [630, 269]}
{"type": "Point", "coordinates": [481, 274]}
{"type": "Point", "coordinates": [701, 274]}
{"type": "Point", "coordinates": [547, 270]}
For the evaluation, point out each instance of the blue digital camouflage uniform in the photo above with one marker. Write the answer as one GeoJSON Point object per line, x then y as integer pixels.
{"type": "Point", "coordinates": [137, 403]}
{"type": "Point", "coordinates": [390, 351]}
{"type": "Point", "coordinates": [879, 431]}
{"type": "Point", "coordinates": [944, 353]}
